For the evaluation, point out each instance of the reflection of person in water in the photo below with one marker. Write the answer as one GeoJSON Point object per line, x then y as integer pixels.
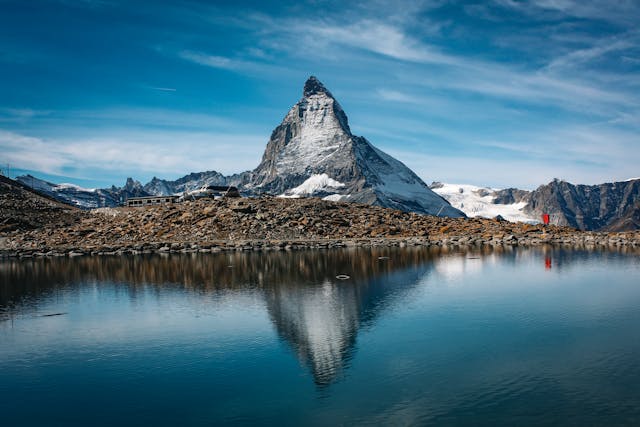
{"type": "Point", "coordinates": [547, 262]}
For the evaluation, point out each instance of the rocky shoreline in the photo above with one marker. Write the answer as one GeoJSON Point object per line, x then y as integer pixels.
{"type": "Point", "coordinates": [279, 224]}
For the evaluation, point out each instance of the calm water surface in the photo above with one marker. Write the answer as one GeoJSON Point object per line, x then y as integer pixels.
{"type": "Point", "coordinates": [414, 336]}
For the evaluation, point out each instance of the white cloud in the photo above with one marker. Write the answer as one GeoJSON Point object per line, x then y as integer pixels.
{"type": "Point", "coordinates": [159, 153]}
{"type": "Point", "coordinates": [524, 173]}
{"type": "Point", "coordinates": [581, 154]}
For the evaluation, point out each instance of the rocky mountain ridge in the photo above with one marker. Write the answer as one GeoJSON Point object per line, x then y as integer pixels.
{"type": "Point", "coordinates": [587, 207]}
{"type": "Point", "coordinates": [611, 206]}
{"type": "Point", "coordinates": [85, 198]}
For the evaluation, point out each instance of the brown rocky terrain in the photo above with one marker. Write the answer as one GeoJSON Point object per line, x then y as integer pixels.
{"type": "Point", "coordinates": [23, 209]}
{"type": "Point", "coordinates": [268, 223]}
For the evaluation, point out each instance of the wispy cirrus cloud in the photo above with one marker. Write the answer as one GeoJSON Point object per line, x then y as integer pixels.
{"type": "Point", "coordinates": [164, 89]}
{"type": "Point", "coordinates": [375, 37]}
{"type": "Point", "coordinates": [622, 13]}
{"type": "Point", "coordinates": [397, 96]}
{"type": "Point", "coordinates": [214, 61]}
{"type": "Point", "coordinates": [549, 83]}
{"type": "Point", "coordinates": [251, 62]}
{"type": "Point", "coordinates": [20, 114]}
{"type": "Point", "coordinates": [601, 48]}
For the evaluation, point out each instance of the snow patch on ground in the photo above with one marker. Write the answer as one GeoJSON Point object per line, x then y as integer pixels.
{"type": "Point", "coordinates": [478, 202]}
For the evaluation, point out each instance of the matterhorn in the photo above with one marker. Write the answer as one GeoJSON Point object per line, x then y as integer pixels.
{"type": "Point", "coordinates": [313, 153]}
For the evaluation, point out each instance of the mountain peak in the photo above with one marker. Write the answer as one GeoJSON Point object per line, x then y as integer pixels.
{"type": "Point", "coordinates": [313, 86]}
{"type": "Point", "coordinates": [313, 153]}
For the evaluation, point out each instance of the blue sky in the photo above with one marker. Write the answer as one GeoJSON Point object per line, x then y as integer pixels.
{"type": "Point", "coordinates": [499, 93]}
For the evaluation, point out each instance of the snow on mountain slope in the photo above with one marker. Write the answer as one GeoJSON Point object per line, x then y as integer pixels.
{"type": "Point", "coordinates": [85, 198]}
{"type": "Point", "coordinates": [479, 202]}
{"type": "Point", "coordinates": [317, 138]}
{"type": "Point", "coordinates": [314, 184]}
{"type": "Point", "coordinates": [187, 183]}
{"type": "Point", "coordinates": [399, 187]}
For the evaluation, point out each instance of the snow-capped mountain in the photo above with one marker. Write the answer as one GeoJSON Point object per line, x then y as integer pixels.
{"type": "Point", "coordinates": [86, 198]}
{"type": "Point", "coordinates": [484, 202]}
{"type": "Point", "coordinates": [313, 153]}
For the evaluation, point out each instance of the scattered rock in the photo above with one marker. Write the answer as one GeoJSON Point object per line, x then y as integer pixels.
{"type": "Point", "coordinates": [272, 224]}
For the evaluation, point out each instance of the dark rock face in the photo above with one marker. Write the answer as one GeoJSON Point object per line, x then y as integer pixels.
{"type": "Point", "coordinates": [509, 196]}
{"type": "Point", "coordinates": [629, 221]}
{"type": "Point", "coordinates": [587, 207]}
{"type": "Point", "coordinates": [313, 86]}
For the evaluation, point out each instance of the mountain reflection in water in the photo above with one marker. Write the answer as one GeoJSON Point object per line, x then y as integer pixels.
{"type": "Point", "coordinates": [316, 314]}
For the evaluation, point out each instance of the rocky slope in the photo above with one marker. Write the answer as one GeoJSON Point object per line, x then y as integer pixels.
{"type": "Point", "coordinates": [277, 223]}
{"type": "Point", "coordinates": [22, 209]}
{"type": "Point", "coordinates": [630, 220]}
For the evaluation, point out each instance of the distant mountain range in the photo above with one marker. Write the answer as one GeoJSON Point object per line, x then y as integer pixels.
{"type": "Point", "coordinates": [86, 198]}
{"type": "Point", "coordinates": [313, 153]}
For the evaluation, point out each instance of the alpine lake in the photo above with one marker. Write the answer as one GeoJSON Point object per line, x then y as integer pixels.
{"type": "Point", "coordinates": [516, 336]}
